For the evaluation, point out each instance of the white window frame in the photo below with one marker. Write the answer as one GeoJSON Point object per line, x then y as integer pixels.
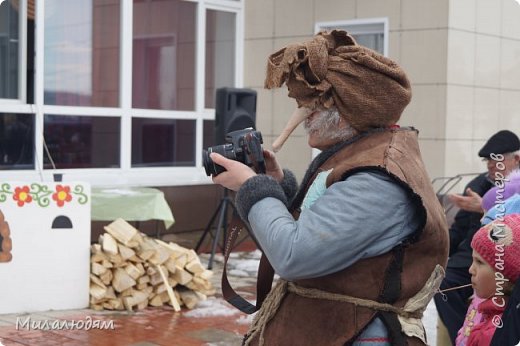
{"type": "Point", "coordinates": [22, 57]}
{"type": "Point", "coordinates": [359, 26]}
{"type": "Point", "coordinates": [356, 26]}
{"type": "Point", "coordinates": [126, 175]}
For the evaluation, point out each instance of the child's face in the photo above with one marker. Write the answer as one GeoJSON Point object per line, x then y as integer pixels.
{"type": "Point", "coordinates": [482, 277]}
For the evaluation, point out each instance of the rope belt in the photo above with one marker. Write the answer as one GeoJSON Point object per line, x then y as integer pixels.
{"type": "Point", "coordinates": [273, 300]}
{"type": "Point", "coordinates": [366, 303]}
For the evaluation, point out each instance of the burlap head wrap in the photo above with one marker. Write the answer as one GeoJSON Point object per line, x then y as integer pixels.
{"type": "Point", "coordinates": [368, 89]}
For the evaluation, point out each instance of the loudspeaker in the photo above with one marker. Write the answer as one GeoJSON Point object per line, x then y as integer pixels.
{"type": "Point", "coordinates": [235, 109]}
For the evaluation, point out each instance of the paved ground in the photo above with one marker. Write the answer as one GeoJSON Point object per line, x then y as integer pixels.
{"type": "Point", "coordinates": [211, 323]}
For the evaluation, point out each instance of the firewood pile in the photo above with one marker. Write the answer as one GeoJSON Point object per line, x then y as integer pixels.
{"type": "Point", "coordinates": [130, 270]}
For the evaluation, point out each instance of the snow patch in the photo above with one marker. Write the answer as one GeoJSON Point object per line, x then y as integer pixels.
{"type": "Point", "coordinates": [212, 307]}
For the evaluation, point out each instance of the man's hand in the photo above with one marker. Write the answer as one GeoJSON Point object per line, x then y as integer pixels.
{"type": "Point", "coordinates": [235, 175]}
{"type": "Point", "coordinates": [272, 167]}
{"type": "Point", "coordinates": [472, 202]}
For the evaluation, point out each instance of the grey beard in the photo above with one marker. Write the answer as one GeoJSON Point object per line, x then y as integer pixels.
{"type": "Point", "coordinates": [326, 125]}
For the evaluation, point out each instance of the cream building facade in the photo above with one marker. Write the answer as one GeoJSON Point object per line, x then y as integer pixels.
{"type": "Point", "coordinates": [462, 57]}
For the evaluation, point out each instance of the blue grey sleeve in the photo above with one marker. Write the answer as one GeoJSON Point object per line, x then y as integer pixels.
{"type": "Point", "coordinates": [364, 216]}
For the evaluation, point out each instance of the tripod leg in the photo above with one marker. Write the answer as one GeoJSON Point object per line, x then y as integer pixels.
{"type": "Point", "coordinates": [221, 224]}
{"type": "Point", "coordinates": [208, 227]}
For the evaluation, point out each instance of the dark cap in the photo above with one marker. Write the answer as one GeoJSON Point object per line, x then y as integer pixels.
{"type": "Point", "coordinates": [501, 142]}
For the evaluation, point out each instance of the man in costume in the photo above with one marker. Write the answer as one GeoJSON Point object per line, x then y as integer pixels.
{"type": "Point", "coordinates": [361, 245]}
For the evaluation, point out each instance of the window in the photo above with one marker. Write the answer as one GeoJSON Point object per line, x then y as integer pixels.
{"type": "Point", "coordinates": [164, 56]}
{"type": "Point", "coordinates": [16, 141]}
{"type": "Point", "coordinates": [81, 142]}
{"type": "Point", "coordinates": [371, 33]}
{"type": "Point", "coordinates": [120, 92]}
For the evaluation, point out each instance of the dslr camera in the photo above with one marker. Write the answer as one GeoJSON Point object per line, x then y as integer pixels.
{"type": "Point", "coordinates": [243, 146]}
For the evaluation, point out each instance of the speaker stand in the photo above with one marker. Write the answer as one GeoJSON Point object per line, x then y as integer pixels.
{"type": "Point", "coordinates": [221, 211]}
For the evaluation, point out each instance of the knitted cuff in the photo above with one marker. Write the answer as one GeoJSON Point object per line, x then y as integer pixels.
{"type": "Point", "coordinates": [256, 189]}
{"type": "Point", "coordinates": [289, 184]}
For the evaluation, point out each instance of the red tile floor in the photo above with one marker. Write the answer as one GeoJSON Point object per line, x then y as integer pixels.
{"type": "Point", "coordinates": [149, 327]}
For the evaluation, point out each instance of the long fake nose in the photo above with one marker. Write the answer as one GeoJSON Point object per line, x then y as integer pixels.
{"type": "Point", "coordinates": [299, 115]}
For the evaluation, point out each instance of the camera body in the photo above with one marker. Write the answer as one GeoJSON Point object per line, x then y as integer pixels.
{"type": "Point", "coordinates": [243, 146]}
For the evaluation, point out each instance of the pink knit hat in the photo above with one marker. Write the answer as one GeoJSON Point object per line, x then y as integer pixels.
{"type": "Point", "coordinates": [499, 245]}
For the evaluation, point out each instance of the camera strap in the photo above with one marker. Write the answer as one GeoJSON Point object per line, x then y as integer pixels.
{"type": "Point", "coordinates": [265, 273]}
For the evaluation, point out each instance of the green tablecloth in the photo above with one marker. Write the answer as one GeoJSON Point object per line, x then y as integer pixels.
{"type": "Point", "coordinates": [130, 204]}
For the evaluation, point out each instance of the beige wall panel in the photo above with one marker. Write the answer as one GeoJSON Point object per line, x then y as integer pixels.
{"type": "Point", "coordinates": [259, 16]}
{"type": "Point", "coordinates": [459, 157]}
{"type": "Point", "coordinates": [394, 46]}
{"type": "Point", "coordinates": [488, 17]}
{"type": "Point", "coordinates": [424, 56]}
{"type": "Point", "coordinates": [486, 115]}
{"type": "Point", "coordinates": [295, 155]}
{"type": "Point", "coordinates": [461, 57]}
{"type": "Point", "coordinates": [255, 61]}
{"type": "Point", "coordinates": [510, 19]}
{"type": "Point", "coordinates": [433, 152]}
{"type": "Point", "coordinates": [487, 61]}
{"type": "Point", "coordinates": [477, 164]}
{"type": "Point", "coordinates": [381, 8]}
{"type": "Point", "coordinates": [334, 10]}
{"type": "Point", "coordinates": [459, 112]}
{"type": "Point", "coordinates": [293, 17]}
{"type": "Point", "coordinates": [510, 110]}
{"type": "Point", "coordinates": [283, 107]}
{"type": "Point", "coordinates": [462, 14]}
{"type": "Point", "coordinates": [510, 64]}
{"type": "Point", "coordinates": [424, 14]}
{"type": "Point", "coordinates": [427, 111]}
{"type": "Point", "coordinates": [264, 111]}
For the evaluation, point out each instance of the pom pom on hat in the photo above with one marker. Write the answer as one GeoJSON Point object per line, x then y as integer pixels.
{"type": "Point", "coordinates": [498, 243]}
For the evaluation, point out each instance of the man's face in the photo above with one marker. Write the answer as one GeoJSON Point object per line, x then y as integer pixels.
{"type": "Point", "coordinates": [502, 164]}
{"type": "Point", "coordinates": [325, 130]}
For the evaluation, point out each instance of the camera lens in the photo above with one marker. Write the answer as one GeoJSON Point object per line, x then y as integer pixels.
{"type": "Point", "coordinates": [211, 167]}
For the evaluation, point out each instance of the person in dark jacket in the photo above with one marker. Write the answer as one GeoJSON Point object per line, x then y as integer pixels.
{"type": "Point", "coordinates": [501, 154]}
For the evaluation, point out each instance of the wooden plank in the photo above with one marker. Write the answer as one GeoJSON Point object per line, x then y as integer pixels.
{"type": "Point", "coordinates": [173, 300]}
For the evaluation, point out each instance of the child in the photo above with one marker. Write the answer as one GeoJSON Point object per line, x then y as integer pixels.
{"type": "Point", "coordinates": [495, 268]}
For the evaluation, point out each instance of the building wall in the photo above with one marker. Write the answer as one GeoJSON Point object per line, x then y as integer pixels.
{"type": "Point", "coordinates": [460, 56]}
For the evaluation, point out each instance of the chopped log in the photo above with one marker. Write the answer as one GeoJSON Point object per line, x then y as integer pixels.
{"type": "Point", "coordinates": [143, 304]}
{"type": "Point", "coordinates": [97, 281]}
{"type": "Point", "coordinates": [107, 277]}
{"type": "Point", "coordinates": [160, 256]}
{"type": "Point", "coordinates": [181, 260]}
{"type": "Point", "coordinates": [98, 257]}
{"type": "Point", "coordinates": [125, 252]}
{"type": "Point", "coordinates": [143, 279]}
{"type": "Point", "coordinates": [122, 280]}
{"type": "Point", "coordinates": [128, 292]}
{"type": "Point", "coordinates": [109, 244]}
{"type": "Point", "coordinates": [97, 269]}
{"type": "Point", "coordinates": [194, 266]}
{"type": "Point", "coordinates": [156, 301]}
{"type": "Point", "coordinates": [123, 232]}
{"type": "Point", "coordinates": [182, 276]}
{"type": "Point", "coordinates": [114, 304]}
{"type": "Point", "coordinates": [170, 264]}
{"type": "Point", "coordinates": [132, 271]}
{"type": "Point", "coordinates": [97, 291]}
{"type": "Point", "coordinates": [173, 299]}
{"type": "Point", "coordinates": [206, 274]}
{"type": "Point", "coordinates": [107, 264]}
{"type": "Point", "coordinates": [134, 299]}
{"type": "Point", "coordinates": [189, 298]}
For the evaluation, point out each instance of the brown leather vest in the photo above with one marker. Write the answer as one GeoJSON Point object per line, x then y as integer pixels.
{"type": "Point", "coordinates": [391, 278]}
